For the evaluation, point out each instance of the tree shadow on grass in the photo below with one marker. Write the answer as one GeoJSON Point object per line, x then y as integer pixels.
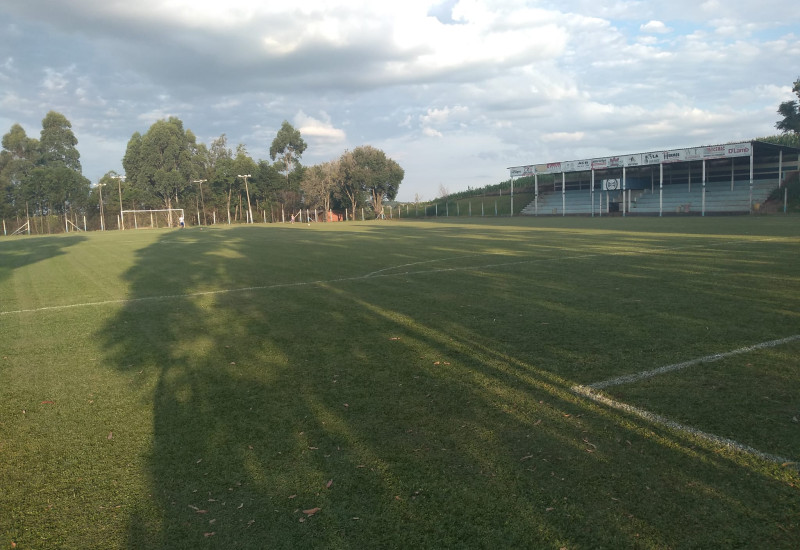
{"type": "Point", "coordinates": [337, 415]}
{"type": "Point", "coordinates": [17, 253]}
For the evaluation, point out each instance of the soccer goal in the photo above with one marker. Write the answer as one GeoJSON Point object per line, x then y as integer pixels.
{"type": "Point", "coordinates": [151, 219]}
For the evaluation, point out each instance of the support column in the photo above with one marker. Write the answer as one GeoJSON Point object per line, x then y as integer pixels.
{"type": "Point", "coordinates": [703, 211]}
{"type": "Point", "coordinates": [512, 197]}
{"type": "Point", "coordinates": [660, 190]}
{"type": "Point", "coordinates": [592, 193]}
{"type": "Point", "coordinates": [563, 193]}
{"type": "Point", "coordinates": [752, 163]}
{"type": "Point", "coordinates": [624, 191]}
{"type": "Point", "coordinates": [535, 194]}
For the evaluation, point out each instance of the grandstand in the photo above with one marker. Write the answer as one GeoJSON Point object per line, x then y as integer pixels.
{"type": "Point", "coordinates": [731, 178]}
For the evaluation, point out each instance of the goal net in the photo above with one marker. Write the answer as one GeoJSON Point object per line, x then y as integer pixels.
{"type": "Point", "coordinates": [152, 219]}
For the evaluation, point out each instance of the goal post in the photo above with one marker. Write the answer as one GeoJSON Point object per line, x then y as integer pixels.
{"type": "Point", "coordinates": [152, 219]}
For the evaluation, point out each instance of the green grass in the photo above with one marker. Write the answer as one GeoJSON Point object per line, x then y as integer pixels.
{"type": "Point", "coordinates": [412, 380]}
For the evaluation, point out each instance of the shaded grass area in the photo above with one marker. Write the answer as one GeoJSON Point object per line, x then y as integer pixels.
{"type": "Point", "coordinates": [399, 385]}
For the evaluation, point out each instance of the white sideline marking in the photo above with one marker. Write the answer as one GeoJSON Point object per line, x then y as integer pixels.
{"type": "Point", "coordinates": [654, 250]}
{"type": "Point", "coordinates": [677, 366]}
{"type": "Point", "coordinates": [658, 419]}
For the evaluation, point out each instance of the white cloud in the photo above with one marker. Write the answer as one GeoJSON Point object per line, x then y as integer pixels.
{"type": "Point", "coordinates": [655, 27]}
{"type": "Point", "coordinates": [319, 130]}
{"type": "Point", "coordinates": [54, 81]}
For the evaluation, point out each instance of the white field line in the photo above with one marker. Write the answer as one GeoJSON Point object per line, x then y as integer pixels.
{"type": "Point", "coordinates": [591, 391]}
{"type": "Point", "coordinates": [375, 274]}
{"type": "Point", "coordinates": [628, 378]}
{"type": "Point", "coordinates": [658, 419]}
{"type": "Point", "coordinates": [420, 263]}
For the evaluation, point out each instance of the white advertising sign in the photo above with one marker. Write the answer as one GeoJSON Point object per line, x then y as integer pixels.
{"type": "Point", "coordinates": [521, 171]}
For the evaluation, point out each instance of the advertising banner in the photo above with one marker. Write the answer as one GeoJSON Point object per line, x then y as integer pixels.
{"type": "Point", "coordinates": [640, 159]}
{"type": "Point", "coordinates": [521, 171]}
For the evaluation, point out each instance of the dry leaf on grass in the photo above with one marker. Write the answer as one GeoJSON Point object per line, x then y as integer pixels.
{"type": "Point", "coordinates": [328, 485]}
{"type": "Point", "coordinates": [311, 511]}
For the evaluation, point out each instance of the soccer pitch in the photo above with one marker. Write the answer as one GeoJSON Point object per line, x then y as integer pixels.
{"type": "Point", "coordinates": [497, 383]}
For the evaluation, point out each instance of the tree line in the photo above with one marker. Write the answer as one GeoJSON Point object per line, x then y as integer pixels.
{"type": "Point", "coordinates": [167, 168]}
{"type": "Point", "coordinates": [42, 177]}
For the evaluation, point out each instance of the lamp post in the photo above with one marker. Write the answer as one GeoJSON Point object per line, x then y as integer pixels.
{"type": "Point", "coordinates": [102, 221]}
{"type": "Point", "coordinates": [249, 209]}
{"type": "Point", "coordinates": [202, 200]}
{"type": "Point", "coordinates": [119, 188]}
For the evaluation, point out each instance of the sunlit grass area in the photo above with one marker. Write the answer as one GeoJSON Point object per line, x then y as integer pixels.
{"type": "Point", "coordinates": [400, 384]}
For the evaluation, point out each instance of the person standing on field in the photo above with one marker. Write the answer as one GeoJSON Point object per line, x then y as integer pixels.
{"type": "Point", "coordinates": [180, 221]}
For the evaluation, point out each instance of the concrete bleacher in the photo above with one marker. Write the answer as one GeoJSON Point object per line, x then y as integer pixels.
{"type": "Point", "coordinates": [577, 202]}
{"type": "Point", "coordinates": [676, 198]}
{"type": "Point", "coordinates": [720, 198]}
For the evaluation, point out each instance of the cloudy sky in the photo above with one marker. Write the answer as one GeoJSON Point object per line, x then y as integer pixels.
{"type": "Point", "coordinates": [456, 91]}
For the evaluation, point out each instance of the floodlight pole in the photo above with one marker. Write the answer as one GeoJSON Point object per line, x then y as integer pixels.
{"type": "Point", "coordinates": [100, 189]}
{"type": "Point", "coordinates": [119, 187]}
{"type": "Point", "coordinates": [249, 209]}
{"type": "Point", "coordinates": [202, 200]}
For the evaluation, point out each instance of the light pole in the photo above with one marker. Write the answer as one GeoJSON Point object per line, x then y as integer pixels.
{"type": "Point", "coordinates": [100, 189]}
{"type": "Point", "coordinates": [202, 200]}
{"type": "Point", "coordinates": [249, 209]}
{"type": "Point", "coordinates": [119, 188]}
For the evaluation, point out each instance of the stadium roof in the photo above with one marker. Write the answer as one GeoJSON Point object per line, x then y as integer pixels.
{"type": "Point", "coordinates": [689, 154]}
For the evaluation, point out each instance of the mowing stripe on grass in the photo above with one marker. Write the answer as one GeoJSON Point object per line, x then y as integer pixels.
{"type": "Point", "coordinates": [628, 378]}
{"type": "Point", "coordinates": [592, 394]}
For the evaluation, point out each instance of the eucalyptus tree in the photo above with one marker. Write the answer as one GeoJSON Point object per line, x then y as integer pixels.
{"type": "Point", "coordinates": [159, 163]}
{"type": "Point", "coordinates": [57, 143]}
{"type": "Point", "coordinates": [288, 146]}
{"type": "Point", "coordinates": [17, 160]}
{"type": "Point", "coordinates": [44, 174]}
{"type": "Point", "coordinates": [221, 174]}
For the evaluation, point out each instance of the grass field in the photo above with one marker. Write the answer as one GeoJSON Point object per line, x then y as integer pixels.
{"type": "Point", "coordinates": [403, 385]}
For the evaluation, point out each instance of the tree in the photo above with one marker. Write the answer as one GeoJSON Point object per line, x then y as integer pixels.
{"type": "Point", "coordinates": [159, 163]}
{"type": "Point", "coordinates": [349, 182]}
{"type": "Point", "coordinates": [318, 184]}
{"type": "Point", "coordinates": [44, 174]}
{"type": "Point", "coordinates": [790, 111]}
{"type": "Point", "coordinates": [244, 165]}
{"type": "Point", "coordinates": [380, 176]}
{"type": "Point", "coordinates": [17, 160]}
{"type": "Point", "coordinates": [57, 142]}
{"type": "Point", "coordinates": [289, 146]}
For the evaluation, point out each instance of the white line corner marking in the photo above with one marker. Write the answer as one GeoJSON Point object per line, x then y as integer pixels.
{"type": "Point", "coordinates": [591, 391]}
